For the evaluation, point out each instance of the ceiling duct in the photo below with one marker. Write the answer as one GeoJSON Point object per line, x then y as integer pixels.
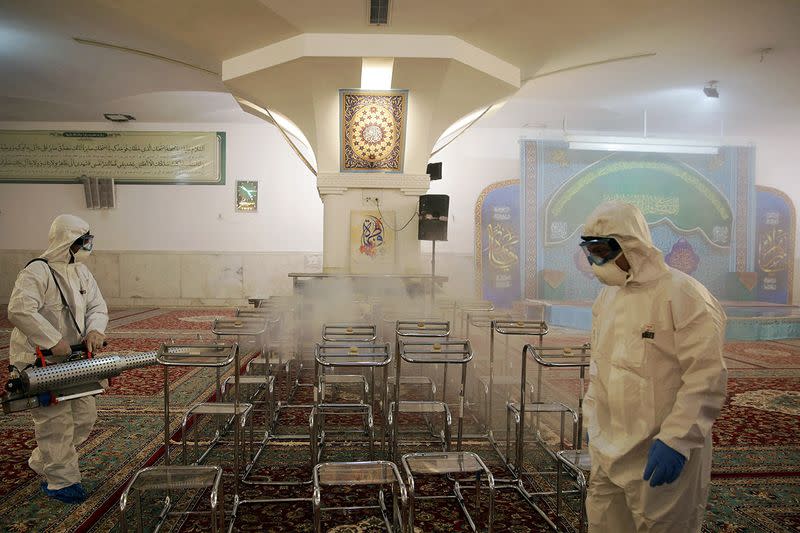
{"type": "Point", "coordinates": [378, 11]}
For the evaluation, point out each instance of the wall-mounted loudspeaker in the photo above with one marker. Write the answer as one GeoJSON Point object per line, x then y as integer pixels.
{"type": "Point", "coordinates": [99, 192]}
{"type": "Point", "coordinates": [433, 210]}
{"type": "Point", "coordinates": [434, 170]}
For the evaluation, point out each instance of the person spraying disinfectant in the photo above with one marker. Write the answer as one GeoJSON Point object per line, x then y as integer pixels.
{"type": "Point", "coordinates": [56, 303]}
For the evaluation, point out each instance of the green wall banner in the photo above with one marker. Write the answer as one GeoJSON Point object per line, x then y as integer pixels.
{"type": "Point", "coordinates": [126, 156]}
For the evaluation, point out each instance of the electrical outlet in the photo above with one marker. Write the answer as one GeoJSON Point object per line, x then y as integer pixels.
{"type": "Point", "coordinates": [370, 198]}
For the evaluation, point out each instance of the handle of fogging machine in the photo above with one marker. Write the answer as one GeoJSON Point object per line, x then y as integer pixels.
{"type": "Point", "coordinates": [74, 348]}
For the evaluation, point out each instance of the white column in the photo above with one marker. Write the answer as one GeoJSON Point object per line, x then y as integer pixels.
{"type": "Point", "coordinates": [343, 193]}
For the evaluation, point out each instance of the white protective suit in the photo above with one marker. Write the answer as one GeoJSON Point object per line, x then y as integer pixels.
{"type": "Point", "coordinates": [40, 319]}
{"type": "Point", "coordinates": [669, 387]}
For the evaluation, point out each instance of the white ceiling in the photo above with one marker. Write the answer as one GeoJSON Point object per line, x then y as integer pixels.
{"type": "Point", "coordinates": [46, 76]}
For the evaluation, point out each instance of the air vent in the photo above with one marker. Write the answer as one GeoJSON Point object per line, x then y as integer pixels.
{"type": "Point", "coordinates": [378, 11]}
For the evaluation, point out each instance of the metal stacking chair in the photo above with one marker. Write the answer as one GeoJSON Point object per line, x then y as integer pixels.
{"type": "Point", "coordinates": [468, 306]}
{"type": "Point", "coordinates": [545, 357]}
{"type": "Point", "coordinates": [478, 330]}
{"type": "Point", "coordinates": [258, 391]}
{"type": "Point", "coordinates": [270, 355]}
{"type": "Point", "coordinates": [377, 473]}
{"type": "Point", "coordinates": [419, 329]}
{"type": "Point", "coordinates": [254, 324]}
{"type": "Point", "coordinates": [353, 334]}
{"type": "Point", "coordinates": [168, 479]}
{"type": "Point", "coordinates": [349, 356]}
{"type": "Point", "coordinates": [455, 465]}
{"type": "Point", "coordinates": [507, 379]}
{"type": "Point", "coordinates": [253, 327]}
{"type": "Point", "coordinates": [319, 435]}
{"type": "Point", "coordinates": [445, 352]}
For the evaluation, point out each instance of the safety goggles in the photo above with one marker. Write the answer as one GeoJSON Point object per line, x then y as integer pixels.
{"type": "Point", "coordinates": [600, 250]}
{"type": "Point", "coordinates": [86, 241]}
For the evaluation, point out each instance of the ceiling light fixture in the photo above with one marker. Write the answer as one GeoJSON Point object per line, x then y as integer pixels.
{"type": "Point", "coordinates": [641, 144]}
{"type": "Point", "coordinates": [711, 89]}
{"type": "Point", "coordinates": [118, 117]}
{"type": "Point", "coordinates": [376, 73]}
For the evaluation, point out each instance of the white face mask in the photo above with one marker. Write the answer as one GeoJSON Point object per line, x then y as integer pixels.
{"type": "Point", "coordinates": [81, 255]}
{"type": "Point", "coordinates": [610, 273]}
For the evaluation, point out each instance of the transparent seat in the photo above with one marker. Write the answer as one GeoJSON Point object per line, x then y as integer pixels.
{"type": "Point", "coordinates": [379, 473]}
{"type": "Point", "coordinates": [349, 332]}
{"type": "Point", "coordinates": [234, 417]}
{"type": "Point", "coordinates": [423, 406]}
{"type": "Point", "coordinates": [356, 473]}
{"type": "Point", "coordinates": [197, 355]}
{"type": "Point", "coordinates": [444, 463]}
{"type": "Point", "coordinates": [456, 465]}
{"type": "Point", "coordinates": [163, 489]}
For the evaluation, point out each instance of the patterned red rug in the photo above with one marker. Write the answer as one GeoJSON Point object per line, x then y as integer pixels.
{"type": "Point", "coordinates": [178, 320]}
{"type": "Point", "coordinates": [128, 435]}
{"type": "Point", "coordinates": [756, 469]}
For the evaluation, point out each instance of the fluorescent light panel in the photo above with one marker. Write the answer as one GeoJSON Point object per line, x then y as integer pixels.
{"type": "Point", "coordinates": [634, 144]}
{"type": "Point", "coordinates": [376, 73]}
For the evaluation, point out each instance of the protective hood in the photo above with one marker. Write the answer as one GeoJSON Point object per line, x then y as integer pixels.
{"type": "Point", "coordinates": [626, 223]}
{"type": "Point", "coordinates": [63, 232]}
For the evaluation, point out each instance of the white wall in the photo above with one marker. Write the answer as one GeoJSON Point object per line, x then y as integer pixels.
{"type": "Point", "coordinates": [478, 158]}
{"type": "Point", "coordinates": [181, 217]}
{"type": "Point", "coordinates": [286, 233]}
{"type": "Point", "coordinates": [180, 244]}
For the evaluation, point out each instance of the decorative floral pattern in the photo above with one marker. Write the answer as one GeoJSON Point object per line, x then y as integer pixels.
{"type": "Point", "coordinates": [373, 125]}
{"type": "Point", "coordinates": [777, 401]}
{"type": "Point", "coordinates": [744, 425]}
{"type": "Point", "coordinates": [683, 257]}
{"type": "Point", "coordinates": [764, 354]}
{"type": "Point", "coordinates": [180, 319]}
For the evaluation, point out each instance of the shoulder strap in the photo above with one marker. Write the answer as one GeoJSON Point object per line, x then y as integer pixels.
{"type": "Point", "coordinates": [63, 299]}
{"type": "Point", "coordinates": [34, 260]}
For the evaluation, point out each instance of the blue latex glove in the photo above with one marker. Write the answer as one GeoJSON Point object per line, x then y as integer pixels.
{"type": "Point", "coordinates": [73, 494]}
{"type": "Point", "coordinates": [45, 398]}
{"type": "Point", "coordinates": [664, 464]}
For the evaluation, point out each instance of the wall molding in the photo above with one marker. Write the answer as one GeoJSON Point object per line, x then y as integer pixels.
{"type": "Point", "coordinates": [340, 182]}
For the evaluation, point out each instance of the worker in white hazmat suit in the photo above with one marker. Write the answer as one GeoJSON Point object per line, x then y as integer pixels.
{"type": "Point", "coordinates": [56, 303]}
{"type": "Point", "coordinates": [657, 382]}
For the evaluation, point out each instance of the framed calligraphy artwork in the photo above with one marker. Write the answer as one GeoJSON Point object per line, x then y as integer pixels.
{"type": "Point", "coordinates": [775, 245]}
{"type": "Point", "coordinates": [497, 246]}
{"type": "Point", "coordinates": [159, 157]}
{"type": "Point", "coordinates": [373, 127]}
{"type": "Point", "coordinates": [246, 196]}
{"type": "Point", "coordinates": [372, 242]}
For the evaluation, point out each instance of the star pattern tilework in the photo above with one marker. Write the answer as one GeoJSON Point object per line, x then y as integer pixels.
{"type": "Point", "coordinates": [372, 126]}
